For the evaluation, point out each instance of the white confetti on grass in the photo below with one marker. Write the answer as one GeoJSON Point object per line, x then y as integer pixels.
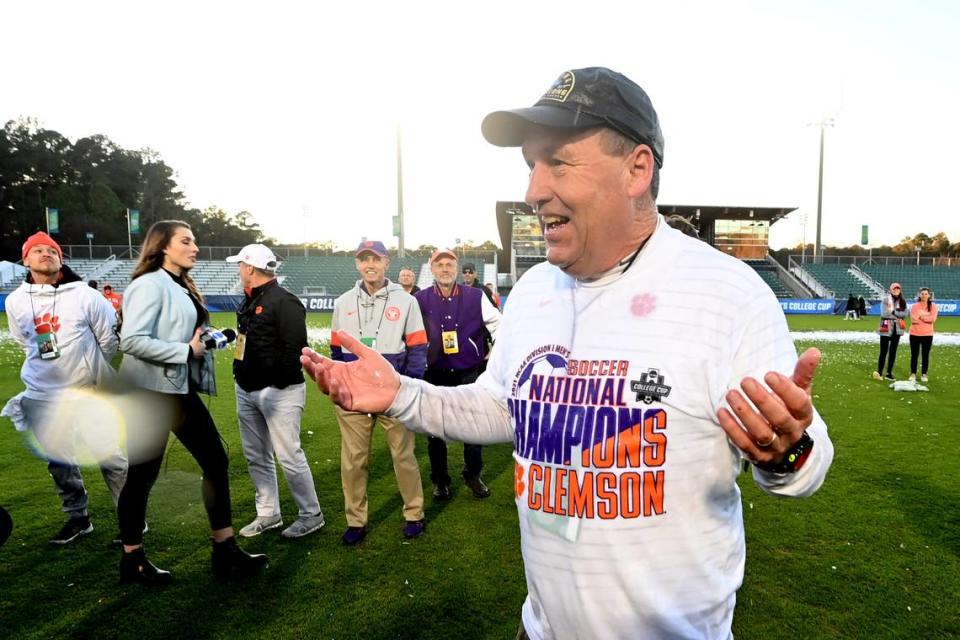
{"type": "Point", "coordinates": [865, 337]}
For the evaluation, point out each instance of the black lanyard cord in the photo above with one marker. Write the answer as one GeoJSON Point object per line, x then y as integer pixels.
{"type": "Point", "coordinates": [382, 313]}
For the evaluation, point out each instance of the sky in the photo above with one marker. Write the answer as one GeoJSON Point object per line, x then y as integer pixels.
{"type": "Point", "coordinates": [291, 110]}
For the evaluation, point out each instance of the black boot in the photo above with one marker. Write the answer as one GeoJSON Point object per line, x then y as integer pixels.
{"type": "Point", "coordinates": [228, 559]}
{"type": "Point", "coordinates": [135, 567]}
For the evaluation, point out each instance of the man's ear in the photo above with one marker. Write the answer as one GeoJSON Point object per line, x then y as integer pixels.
{"type": "Point", "coordinates": [639, 170]}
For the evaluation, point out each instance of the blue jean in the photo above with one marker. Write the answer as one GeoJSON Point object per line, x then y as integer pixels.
{"type": "Point", "coordinates": [58, 450]}
{"type": "Point", "coordinates": [270, 432]}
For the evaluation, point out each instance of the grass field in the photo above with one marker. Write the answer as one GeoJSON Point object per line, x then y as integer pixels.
{"type": "Point", "coordinates": [874, 554]}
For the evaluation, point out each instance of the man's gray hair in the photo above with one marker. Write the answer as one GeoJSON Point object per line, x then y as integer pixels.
{"type": "Point", "coordinates": [616, 144]}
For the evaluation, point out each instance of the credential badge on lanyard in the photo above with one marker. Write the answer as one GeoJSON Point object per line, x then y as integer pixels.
{"type": "Point", "coordinates": [47, 342]}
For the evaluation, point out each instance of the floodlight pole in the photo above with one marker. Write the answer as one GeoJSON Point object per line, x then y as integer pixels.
{"type": "Point", "coordinates": [803, 241]}
{"type": "Point", "coordinates": [401, 252]}
{"type": "Point", "coordinates": [817, 249]}
{"type": "Point", "coordinates": [817, 257]}
{"type": "Point", "coordinates": [129, 237]}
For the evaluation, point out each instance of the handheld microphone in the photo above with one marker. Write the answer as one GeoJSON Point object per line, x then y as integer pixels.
{"type": "Point", "coordinates": [215, 339]}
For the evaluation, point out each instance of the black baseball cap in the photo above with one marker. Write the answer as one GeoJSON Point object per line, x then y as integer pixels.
{"type": "Point", "coordinates": [469, 267]}
{"type": "Point", "coordinates": [581, 99]}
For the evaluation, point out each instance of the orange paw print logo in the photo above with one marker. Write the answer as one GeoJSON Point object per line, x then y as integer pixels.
{"type": "Point", "coordinates": [518, 485]}
{"type": "Point", "coordinates": [52, 321]}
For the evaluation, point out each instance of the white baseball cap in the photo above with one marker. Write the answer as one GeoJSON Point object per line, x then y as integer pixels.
{"type": "Point", "coordinates": [257, 255]}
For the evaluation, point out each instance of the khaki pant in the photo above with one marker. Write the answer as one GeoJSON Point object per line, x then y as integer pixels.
{"type": "Point", "coordinates": [356, 438]}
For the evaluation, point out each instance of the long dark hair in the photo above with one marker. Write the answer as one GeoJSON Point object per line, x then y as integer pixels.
{"type": "Point", "coordinates": [898, 300]}
{"type": "Point", "coordinates": [929, 298]}
{"type": "Point", "coordinates": [151, 253]}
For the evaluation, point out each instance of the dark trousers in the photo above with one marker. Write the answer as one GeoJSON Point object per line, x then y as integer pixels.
{"type": "Point", "coordinates": [436, 447]}
{"type": "Point", "coordinates": [888, 342]}
{"type": "Point", "coordinates": [195, 429]}
{"type": "Point", "coordinates": [920, 345]}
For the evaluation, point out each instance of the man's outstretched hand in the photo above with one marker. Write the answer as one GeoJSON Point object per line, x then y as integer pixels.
{"type": "Point", "coordinates": [781, 416]}
{"type": "Point", "coordinates": [368, 384]}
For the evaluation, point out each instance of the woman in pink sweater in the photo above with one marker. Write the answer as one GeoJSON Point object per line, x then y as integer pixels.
{"type": "Point", "coordinates": [923, 313]}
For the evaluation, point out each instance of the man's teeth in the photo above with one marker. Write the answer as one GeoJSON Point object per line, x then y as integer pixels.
{"type": "Point", "coordinates": [549, 220]}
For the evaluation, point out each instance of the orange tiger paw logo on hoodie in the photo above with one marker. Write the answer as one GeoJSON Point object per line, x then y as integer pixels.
{"type": "Point", "coordinates": [52, 321]}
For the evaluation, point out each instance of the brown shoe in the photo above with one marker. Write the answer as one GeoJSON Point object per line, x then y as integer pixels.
{"type": "Point", "coordinates": [476, 485]}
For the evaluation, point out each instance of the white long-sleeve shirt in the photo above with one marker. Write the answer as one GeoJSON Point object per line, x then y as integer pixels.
{"type": "Point", "coordinates": [630, 516]}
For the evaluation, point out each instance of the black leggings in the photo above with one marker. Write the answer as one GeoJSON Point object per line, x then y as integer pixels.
{"type": "Point", "coordinates": [885, 342]}
{"type": "Point", "coordinates": [195, 429]}
{"type": "Point", "coordinates": [918, 345]}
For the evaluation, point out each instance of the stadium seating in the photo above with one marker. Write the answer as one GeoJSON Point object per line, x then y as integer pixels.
{"type": "Point", "coordinates": [768, 272]}
{"type": "Point", "coordinates": [840, 279]}
{"type": "Point", "coordinates": [324, 275]}
{"type": "Point", "coordinates": [216, 277]}
{"type": "Point", "coordinates": [333, 275]}
{"type": "Point", "coordinates": [943, 281]}
{"type": "Point", "coordinates": [113, 272]}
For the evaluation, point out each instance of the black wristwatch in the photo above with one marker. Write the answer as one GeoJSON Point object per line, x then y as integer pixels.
{"type": "Point", "coordinates": [794, 459]}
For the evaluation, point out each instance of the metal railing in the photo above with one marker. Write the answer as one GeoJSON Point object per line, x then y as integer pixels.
{"type": "Point", "coordinates": [893, 261]}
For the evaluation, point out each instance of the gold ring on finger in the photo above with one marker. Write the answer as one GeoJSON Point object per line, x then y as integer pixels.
{"type": "Point", "coordinates": [768, 443]}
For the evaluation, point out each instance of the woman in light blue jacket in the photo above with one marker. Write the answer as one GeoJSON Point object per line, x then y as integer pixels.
{"type": "Point", "coordinates": [161, 337]}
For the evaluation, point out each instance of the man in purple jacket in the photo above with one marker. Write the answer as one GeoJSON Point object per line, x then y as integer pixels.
{"type": "Point", "coordinates": [455, 317]}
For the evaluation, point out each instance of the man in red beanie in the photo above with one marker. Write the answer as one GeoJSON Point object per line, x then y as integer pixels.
{"type": "Point", "coordinates": [67, 333]}
{"type": "Point", "coordinates": [41, 238]}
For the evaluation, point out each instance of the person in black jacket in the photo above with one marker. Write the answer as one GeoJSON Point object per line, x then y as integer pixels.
{"type": "Point", "coordinates": [470, 279]}
{"type": "Point", "coordinates": [271, 393]}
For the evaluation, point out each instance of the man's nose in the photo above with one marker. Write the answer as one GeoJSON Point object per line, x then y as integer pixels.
{"type": "Point", "coordinates": [538, 189]}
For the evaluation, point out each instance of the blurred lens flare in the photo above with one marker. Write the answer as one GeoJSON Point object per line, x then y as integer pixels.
{"type": "Point", "coordinates": [91, 427]}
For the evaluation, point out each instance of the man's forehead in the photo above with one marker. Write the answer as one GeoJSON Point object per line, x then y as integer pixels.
{"type": "Point", "coordinates": [45, 247]}
{"type": "Point", "coordinates": [548, 140]}
{"type": "Point", "coordinates": [445, 262]}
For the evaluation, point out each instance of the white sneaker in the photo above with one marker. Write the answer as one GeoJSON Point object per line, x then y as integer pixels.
{"type": "Point", "coordinates": [923, 378]}
{"type": "Point", "coordinates": [304, 525]}
{"type": "Point", "coordinates": [261, 524]}
{"type": "Point", "coordinates": [913, 377]}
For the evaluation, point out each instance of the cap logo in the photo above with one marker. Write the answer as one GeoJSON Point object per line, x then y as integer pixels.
{"type": "Point", "coordinates": [561, 88]}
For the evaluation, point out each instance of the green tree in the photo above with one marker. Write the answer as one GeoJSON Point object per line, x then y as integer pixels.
{"type": "Point", "coordinates": [92, 182]}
